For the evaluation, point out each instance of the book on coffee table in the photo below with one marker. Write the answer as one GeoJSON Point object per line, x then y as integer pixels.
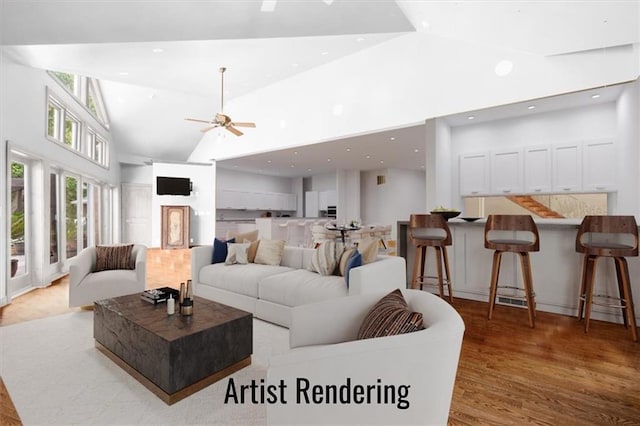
{"type": "Point", "coordinates": [159, 295]}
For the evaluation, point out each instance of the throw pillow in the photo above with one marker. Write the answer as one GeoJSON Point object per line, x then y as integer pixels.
{"type": "Point", "coordinates": [270, 252]}
{"type": "Point", "coordinates": [251, 236]}
{"type": "Point", "coordinates": [237, 253]}
{"type": "Point", "coordinates": [220, 250]}
{"type": "Point", "coordinates": [323, 260]}
{"type": "Point", "coordinates": [354, 261]}
{"type": "Point", "coordinates": [253, 249]}
{"type": "Point", "coordinates": [389, 317]}
{"type": "Point", "coordinates": [342, 264]}
{"type": "Point", "coordinates": [369, 249]}
{"type": "Point", "coordinates": [114, 257]}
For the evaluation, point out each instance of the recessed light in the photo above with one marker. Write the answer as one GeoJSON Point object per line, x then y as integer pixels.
{"type": "Point", "coordinates": [416, 150]}
{"type": "Point", "coordinates": [596, 96]}
{"type": "Point", "coordinates": [359, 39]}
{"type": "Point", "coordinates": [269, 161]}
{"type": "Point", "coordinates": [348, 149]}
{"type": "Point", "coordinates": [123, 73]}
{"type": "Point", "coordinates": [381, 161]}
{"type": "Point", "coordinates": [235, 166]}
{"type": "Point", "coordinates": [471, 117]}
{"type": "Point", "coordinates": [292, 166]}
{"type": "Point", "coordinates": [308, 170]}
{"type": "Point", "coordinates": [324, 53]}
{"type": "Point", "coordinates": [328, 160]}
{"type": "Point", "coordinates": [295, 152]}
{"type": "Point", "coordinates": [425, 24]}
{"type": "Point", "coordinates": [268, 5]}
{"type": "Point", "coordinates": [392, 138]}
{"type": "Point", "coordinates": [367, 157]}
{"type": "Point", "coordinates": [422, 167]}
{"type": "Point", "coordinates": [531, 107]}
{"type": "Point", "coordinates": [294, 65]}
{"type": "Point", "coordinates": [503, 68]}
{"type": "Point", "coordinates": [157, 50]}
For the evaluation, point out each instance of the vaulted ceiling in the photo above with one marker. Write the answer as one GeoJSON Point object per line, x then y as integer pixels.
{"type": "Point", "coordinates": [158, 61]}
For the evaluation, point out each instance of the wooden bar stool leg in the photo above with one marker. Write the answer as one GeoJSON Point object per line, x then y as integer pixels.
{"type": "Point", "coordinates": [591, 275]}
{"type": "Point", "coordinates": [417, 265]}
{"type": "Point", "coordinates": [525, 264]}
{"type": "Point", "coordinates": [624, 272]}
{"type": "Point", "coordinates": [619, 274]}
{"type": "Point", "coordinates": [448, 273]}
{"type": "Point", "coordinates": [581, 294]}
{"type": "Point", "coordinates": [438, 252]}
{"type": "Point", "coordinates": [423, 265]}
{"type": "Point", "coordinates": [495, 272]}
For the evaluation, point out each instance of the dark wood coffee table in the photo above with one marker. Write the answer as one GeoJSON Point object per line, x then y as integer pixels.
{"type": "Point", "coordinates": [173, 356]}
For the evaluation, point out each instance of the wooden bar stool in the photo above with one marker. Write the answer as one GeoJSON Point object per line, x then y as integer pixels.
{"type": "Point", "coordinates": [514, 223]}
{"type": "Point", "coordinates": [427, 230]}
{"type": "Point", "coordinates": [594, 240]}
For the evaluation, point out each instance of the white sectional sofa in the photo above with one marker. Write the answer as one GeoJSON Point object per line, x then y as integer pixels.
{"type": "Point", "coordinates": [270, 292]}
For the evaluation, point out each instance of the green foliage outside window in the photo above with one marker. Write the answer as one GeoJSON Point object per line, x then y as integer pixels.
{"type": "Point", "coordinates": [68, 80]}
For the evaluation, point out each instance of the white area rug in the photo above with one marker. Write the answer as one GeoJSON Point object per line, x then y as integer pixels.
{"type": "Point", "coordinates": [55, 375]}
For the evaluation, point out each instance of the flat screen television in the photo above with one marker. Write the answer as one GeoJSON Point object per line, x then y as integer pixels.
{"type": "Point", "coordinates": [173, 185]}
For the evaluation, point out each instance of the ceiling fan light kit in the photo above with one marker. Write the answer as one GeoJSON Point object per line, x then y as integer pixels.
{"type": "Point", "coordinates": [220, 119]}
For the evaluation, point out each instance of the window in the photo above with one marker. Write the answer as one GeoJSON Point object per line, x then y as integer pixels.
{"type": "Point", "coordinates": [53, 217]}
{"type": "Point", "coordinates": [94, 101]}
{"type": "Point", "coordinates": [68, 81]}
{"type": "Point", "coordinates": [65, 126]}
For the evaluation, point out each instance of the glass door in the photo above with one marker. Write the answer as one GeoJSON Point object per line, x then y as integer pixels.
{"type": "Point", "coordinates": [20, 241]}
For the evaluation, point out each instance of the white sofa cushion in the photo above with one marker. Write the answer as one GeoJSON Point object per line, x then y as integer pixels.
{"type": "Point", "coordinates": [242, 279]}
{"type": "Point", "coordinates": [299, 287]}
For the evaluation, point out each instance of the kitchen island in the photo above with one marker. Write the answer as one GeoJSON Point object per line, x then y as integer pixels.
{"type": "Point", "coordinates": [556, 267]}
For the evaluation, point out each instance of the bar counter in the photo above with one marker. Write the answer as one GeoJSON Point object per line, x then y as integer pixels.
{"type": "Point", "coordinates": [556, 267]}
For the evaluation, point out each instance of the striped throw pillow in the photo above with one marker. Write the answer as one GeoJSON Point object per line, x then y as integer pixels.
{"type": "Point", "coordinates": [114, 257]}
{"type": "Point", "coordinates": [390, 316]}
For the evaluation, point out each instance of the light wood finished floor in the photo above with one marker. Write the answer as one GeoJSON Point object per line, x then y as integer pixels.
{"type": "Point", "coordinates": [509, 373]}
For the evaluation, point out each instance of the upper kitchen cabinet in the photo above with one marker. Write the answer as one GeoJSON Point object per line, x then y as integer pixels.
{"type": "Point", "coordinates": [506, 171]}
{"type": "Point", "coordinates": [537, 169]}
{"type": "Point", "coordinates": [474, 174]}
{"type": "Point", "coordinates": [326, 199]}
{"type": "Point", "coordinates": [567, 167]}
{"type": "Point", "coordinates": [599, 166]}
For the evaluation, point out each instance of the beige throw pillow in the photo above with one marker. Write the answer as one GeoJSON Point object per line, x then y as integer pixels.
{"type": "Point", "coordinates": [251, 236]}
{"type": "Point", "coordinates": [253, 249]}
{"type": "Point", "coordinates": [270, 252]}
{"type": "Point", "coordinates": [368, 247]}
{"type": "Point", "coordinates": [236, 253]}
{"type": "Point", "coordinates": [342, 265]}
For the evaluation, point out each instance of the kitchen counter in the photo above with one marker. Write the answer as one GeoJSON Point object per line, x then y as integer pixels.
{"type": "Point", "coordinates": [557, 268]}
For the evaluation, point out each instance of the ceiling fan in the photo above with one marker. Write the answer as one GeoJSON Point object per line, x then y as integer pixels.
{"type": "Point", "coordinates": [220, 119]}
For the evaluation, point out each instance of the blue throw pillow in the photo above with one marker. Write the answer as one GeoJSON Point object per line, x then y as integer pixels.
{"type": "Point", "coordinates": [220, 250]}
{"type": "Point", "coordinates": [354, 261]}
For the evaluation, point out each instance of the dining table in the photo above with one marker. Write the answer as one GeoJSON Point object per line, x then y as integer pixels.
{"type": "Point", "coordinates": [343, 229]}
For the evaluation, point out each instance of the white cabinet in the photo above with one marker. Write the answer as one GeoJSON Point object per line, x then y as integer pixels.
{"type": "Point", "coordinates": [537, 169]}
{"type": "Point", "coordinates": [474, 174]}
{"type": "Point", "coordinates": [254, 200]}
{"type": "Point", "coordinates": [225, 199]}
{"type": "Point", "coordinates": [291, 202]}
{"type": "Point", "coordinates": [326, 199]}
{"type": "Point", "coordinates": [567, 167]}
{"type": "Point", "coordinates": [311, 208]}
{"type": "Point", "coordinates": [506, 171]}
{"type": "Point", "coordinates": [599, 166]}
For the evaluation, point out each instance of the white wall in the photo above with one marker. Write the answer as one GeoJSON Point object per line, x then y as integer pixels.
{"type": "Point", "coordinates": [131, 173]}
{"type": "Point", "coordinates": [245, 181]}
{"type": "Point", "coordinates": [348, 196]}
{"type": "Point", "coordinates": [201, 200]}
{"type": "Point", "coordinates": [324, 182]}
{"type": "Point", "coordinates": [403, 194]}
{"type": "Point", "coordinates": [627, 200]}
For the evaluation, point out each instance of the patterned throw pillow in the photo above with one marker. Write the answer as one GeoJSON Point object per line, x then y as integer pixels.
{"type": "Point", "coordinates": [220, 250]}
{"type": "Point", "coordinates": [237, 254]}
{"type": "Point", "coordinates": [323, 260]}
{"type": "Point", "coordinates": [269, 252]}
{"type": "Point", "coordinates": [389, 317]}
{"type": "Point", "coordinates": [114, 257]}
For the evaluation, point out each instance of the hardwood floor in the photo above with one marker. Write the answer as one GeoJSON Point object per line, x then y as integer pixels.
{"type": "Point", "coordinates": [509, 373]}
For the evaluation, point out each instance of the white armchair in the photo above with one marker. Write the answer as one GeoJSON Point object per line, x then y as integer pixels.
{"type": "Point", "coordinates": [326, 353]}
{"type": "Point", "coordinates": [86, 286]}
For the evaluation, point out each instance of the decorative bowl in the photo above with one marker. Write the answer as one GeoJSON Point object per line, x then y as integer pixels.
{"type": "Point", "coordinates": [446, 213]}
{"type": "Point", "coordinates": [470, 219]}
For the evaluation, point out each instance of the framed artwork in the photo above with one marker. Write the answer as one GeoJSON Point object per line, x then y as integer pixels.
{"type": "Point", "coordinates": [175, 227]}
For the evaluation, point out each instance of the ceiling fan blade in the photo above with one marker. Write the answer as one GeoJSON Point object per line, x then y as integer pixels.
{"type": "Point", "coordinates": [199, 121]}
{"type": "Point", "coordinates": [241, 124]}
{"type": "Point", "coordinates": [206, 129]}
{"type": "Point", "coordinates": [234, 131]}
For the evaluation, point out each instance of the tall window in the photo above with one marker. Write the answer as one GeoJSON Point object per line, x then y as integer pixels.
{"type": "Point", "coordinates": [85, 213]}
{"type": "Point", "coordinates": [54, 120]}
{"type": "Point", "coordinates": [71, 215]}
{"type": "Point", "coordinates": [72, 132]}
